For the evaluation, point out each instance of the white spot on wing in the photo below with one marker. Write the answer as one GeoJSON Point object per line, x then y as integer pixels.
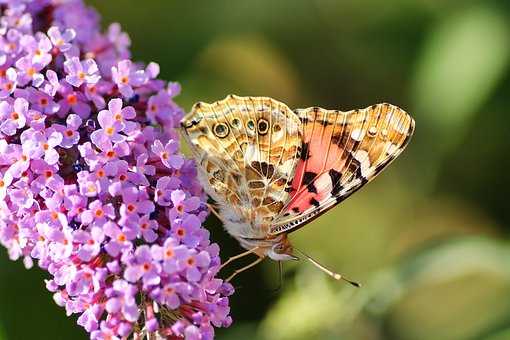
{"type": "Point", "coordinates": [362, 157]}
{"type": "Point", "coordinates": [357, 135]}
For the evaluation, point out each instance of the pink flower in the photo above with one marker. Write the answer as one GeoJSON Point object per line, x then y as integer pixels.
{"type": "Point", "coordinates": [81, 72]}
{"type": "Point", "coordinates": [8, 82]}
{"type": "Point", "coordinates": [112, 121]}
{"type": "Point", "coordinates": [97, 213]}
{"type": "Point", "coordinates": [37, 144]}
{"type": "Point", "coordinates": [70, 134]}
{"type": "Point", "coordinates": [126, 76]}
{"type": "Point", "coordinates": [13, 117]}
{"type": "Point", "coordinates": [61, 40]}
{"type": "Point", "coordinates": [5, 181]}
{"type": "Point", "coordinates": [167, 153]}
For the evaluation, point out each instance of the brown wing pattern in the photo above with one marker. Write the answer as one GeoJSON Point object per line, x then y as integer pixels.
{"type": "Point", "coordinates": [247, 149]}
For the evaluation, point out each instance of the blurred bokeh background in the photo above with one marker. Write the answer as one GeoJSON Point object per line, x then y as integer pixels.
{"type": "Point", "coordinates": [429, 238]}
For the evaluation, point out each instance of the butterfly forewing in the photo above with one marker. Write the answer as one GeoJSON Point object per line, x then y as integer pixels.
{"type": "Point", "coordinates": [247, 149]}
{"type": "Point", "coordinates": [342, 151]}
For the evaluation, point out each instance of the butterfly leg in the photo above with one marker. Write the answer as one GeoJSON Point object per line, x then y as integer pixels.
{"type": "Point", "coordinates": [238, 271]}
{"type": "Point", "coordinates": [233, 258]}
{"type": "Point", "coordinates": [215, 213]}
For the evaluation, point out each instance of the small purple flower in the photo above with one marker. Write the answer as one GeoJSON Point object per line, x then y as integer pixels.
{"type": "Point", "coordinates": [90, 243]}
{"type": "Point", "coordinates": [42, 102]}
{"type": "Point", "coordinates": [171, 254]}
{"type": "Point", "coordinates": [168, 154]}
{"type": "Point", "coordinates": [120, 239]}
{"type": "Point", "coordinates": [8, 82]}
{"type": "Point", "coordinates": [112, 121]}
{"type": "Point", "coordinates": [70, 134]}
{"type": "Point", "coordinates": [134, 203]}
{"type": "Point", "coordinates": [61, 40]}
{"type": "Point", "coordinates": [187, 230]}
{"type": "Point", "coordinates": [143, 267]}
{"type": "Point", "coordinates": [195, 263]}
{"type": "Point", "coordinates": [72, 100]}
{"type": "Point", "coordinates": [13, 117]}
{"type": "Point", "coordinates": [164, 187]}
{"type": "Point", "coordinates": [182, 205]}
{"type": "Point", "coordinates": [148, 228]}
{"type": "Point", "coordinates": [97, 213]}
{"type": "Point", "coordinates": [126, 76]}
{"type": "Point", "coordinates": [5, 181]}
{"type": "Point", "coordinates": [29, 71]}
{"type": "Point", "coordinates": [80, 72]}
{"type": "Point", "coordinates": [38, 48]}
{"type": "Point", "coordinates": [37, 144]}
{"type": "Point", "coordinates": [52, 84]}
{"type": "Point", "coordinates": [122, 300]}
{"type": "Point", "coordinates": [159, 106]}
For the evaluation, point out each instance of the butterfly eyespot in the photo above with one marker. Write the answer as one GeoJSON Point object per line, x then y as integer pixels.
{"type": "Point", "coordinates": [236, 122]}
{"type": "Point", "coordinates": [250, 125]}
{"type": "Point", "coordinates": [277, 128]}
{"type": "Point", "coordinates": [221, 130]}
{"type": "Point", "coordinates": [263, 126]}
{"type": "Point", "coordinates": [372, 132]}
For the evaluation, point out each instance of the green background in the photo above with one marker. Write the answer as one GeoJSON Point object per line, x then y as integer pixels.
{"type": "Point", "coordinates": [428, 239]}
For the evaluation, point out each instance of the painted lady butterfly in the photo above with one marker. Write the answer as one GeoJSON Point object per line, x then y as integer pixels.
{"type": "Point", "coordinates": [272, 170]}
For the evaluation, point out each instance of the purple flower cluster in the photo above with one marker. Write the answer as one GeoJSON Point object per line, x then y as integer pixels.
{"type": "Point", "coordinates": [92, 185]}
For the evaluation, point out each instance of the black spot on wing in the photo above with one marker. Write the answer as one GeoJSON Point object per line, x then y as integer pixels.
{"type": "Point", "coordinates": [305, 151]}
{"type": "Point", "coordinates": [311, 187]}
{"type": "Point", "coordinates": [296, 210]}
{"type": "Point", "coordinates": [336, 178]}
{"type": "Point", "coordinates": [308, 177]}
{"type": "Point", "coordinates": [314, 202]}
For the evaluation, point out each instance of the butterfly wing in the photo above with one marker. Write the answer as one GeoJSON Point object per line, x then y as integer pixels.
{"type": "Point", "coordinates": [247, 149]}
{"type": "Point", "coordinates": [342, 151]}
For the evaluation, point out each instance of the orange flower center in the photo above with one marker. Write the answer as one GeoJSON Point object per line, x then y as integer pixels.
{"type": "Point", "coordinates": [99, 213]}
{"type": "Point", "coordinates": [72, 99]}
{"type": "Point", "coordinates": [69, 133]}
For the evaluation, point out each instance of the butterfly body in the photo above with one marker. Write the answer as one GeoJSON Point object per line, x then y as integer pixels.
{"type": "Point", "coordinates": [271, 170]}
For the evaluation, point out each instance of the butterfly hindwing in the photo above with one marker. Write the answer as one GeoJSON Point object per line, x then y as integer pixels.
{"type": "Point", "coordinates": [247, 149]}
{"type": "Point", "coordinates": [342, 151]}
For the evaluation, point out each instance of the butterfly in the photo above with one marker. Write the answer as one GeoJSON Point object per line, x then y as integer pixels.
{"type": "Point", "coordinates": [271, 170]}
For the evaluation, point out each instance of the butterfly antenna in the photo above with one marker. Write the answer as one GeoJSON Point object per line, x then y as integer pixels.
{"type": "Point", "coordinates": [331, 273]}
